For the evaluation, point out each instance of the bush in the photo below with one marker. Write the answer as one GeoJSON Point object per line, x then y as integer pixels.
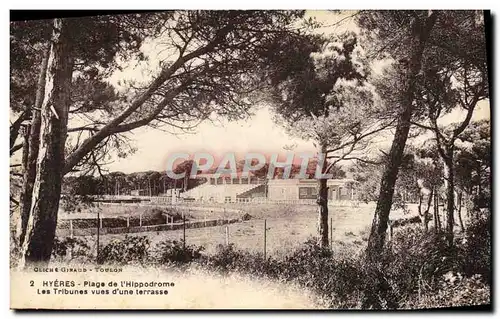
{"type": "Point", "coordinates": [417, 269]}
{"type": "Point", "coordinates": [71, 248]}
{"type": "Point", "coordinates": [313, 267]}
{"type": "Point", "coordinates": [477, 248]}
{"type": "Point", "coordinates": [330, 274]}
{"type": "Point", "coordinates": [167, 252]}
{"type": "Point", "coordinates": [246, 216]}
{"type": "Point", "coordinates": [411, 271]}
{"type": "Point", "coordinates": [414, 260]}
{"type": "Point", "coordinates": [412, 263]}
{"type": "Point", "coordinates": [228, 259]}
{"type": "Point", "coordinates": [132, 249]}
{"type": "Point", "coordinates": [454, 291]}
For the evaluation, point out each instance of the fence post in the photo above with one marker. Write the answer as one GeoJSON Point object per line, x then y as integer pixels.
{"type": "Point", "coordinates": [98, 228]}
{"type": "Point", "coordinates": [265, 239]}
{"type": "Point", "coordinates": [227, 235]}
{"type": "Point", "coordinates": [184, 232]}
{"type": "Point", "coordinates": [71, 228]}
{"type": "Point", "coordinates": [140, 220]}
{"type": "Point", "coordinates": [128, 221]}
{"type": "Point", "coordinates": [331, 233]}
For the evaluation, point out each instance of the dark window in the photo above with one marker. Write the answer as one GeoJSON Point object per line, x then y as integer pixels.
{"type": "Point", "coordinates": [307, 192]}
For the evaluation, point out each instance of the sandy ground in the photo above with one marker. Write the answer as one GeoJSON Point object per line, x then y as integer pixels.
{"type": "Point", "coordinates": [286, 229]}
{"type": "Point", "coordinates": [191, 290]}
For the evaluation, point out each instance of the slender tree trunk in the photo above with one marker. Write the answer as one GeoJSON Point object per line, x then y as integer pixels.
{"type": "Point", "coordinates": [322, 202]}
{"type": "Point", "coordinates": [420, 198]}
{"type": "Point", "coordinates": [421, 213]}
{"type": "Point", "coordinates": [40, 231]}
{"type": "Point", "coordinates": [389, 177]}
{"type": "Point", "coordinates": [426, 214]}
{"type": "Point", "coordinates": [420, 33]}
{"type": "Point", "coordinates": [459, 211]}
{"type": "Point", "coordinates": [479, 190]}
{"type": "Point", "coordinates": [450, 194]}
{"type": "Point", "coordinates": [469, 204]}
{"type": "Point", "coordinates": [437, 222]}
{"type": "Point", "coordinates": [29, 158]}
{"type": "Point", "coordinates": [323, 212]}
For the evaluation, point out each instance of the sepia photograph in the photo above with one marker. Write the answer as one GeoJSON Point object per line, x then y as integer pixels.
{"type": "Point", "coordinates": [250, 159]}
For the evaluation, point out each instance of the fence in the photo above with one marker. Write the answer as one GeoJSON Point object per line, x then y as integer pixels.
{"type": "Point", "coordinates": [72, 231]}
{"type": "Point", "coordinates": [266, 237]}
{"type": "Point", "coordinates": [270, 235]}
{"type": "Point", "coordinates": [166, 200]}
{"type": "Point", "coordinates": [256, 200]}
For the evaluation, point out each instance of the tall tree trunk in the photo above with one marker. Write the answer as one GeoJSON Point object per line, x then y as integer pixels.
{"type": "Point", "coordinates": [389, 177]}
{"type": "Point", "coordinates": [322, 202]}
{"type": "Point", "coordinates": [459, 211]}
{"type": "Point", "coordinates": [450, 194]}
{"type": "Point", "coordinates": [420, 33]}
{"type": "Point", "coordinates": [437, 222]}
{"type": "Point", "coordinates": [40, 231]}
{"type": "Point", "coordinates": [425, 215]}
{"type": "Point", "coordinates": [29, 159]}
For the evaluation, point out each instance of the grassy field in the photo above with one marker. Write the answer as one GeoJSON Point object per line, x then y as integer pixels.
{"type": "Point", "coordinates": [288, 226]}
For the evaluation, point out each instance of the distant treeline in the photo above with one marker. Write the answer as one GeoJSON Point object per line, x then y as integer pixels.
{"type": "Point", "coordinates": [153, 183]}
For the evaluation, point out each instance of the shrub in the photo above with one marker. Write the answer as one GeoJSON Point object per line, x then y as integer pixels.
{"type": "Point", "coordinates": [132, 249]}
{"type": "Point", "coordinates": [417, 269]}
{"type": "Point", "coordinates": [246, 216]}
{"type": "Point", "coordinates": [412, 262]}
{"type": "Point", "coordinates": [316, 268]}
{"type": "Point", "coordinates": [454, 291]}
{"type": "Point", "coordinates": [167, 252]}
{"type": "Point", "coordinates": [224, 259]}
{"type": "Point", "coordinates": [477, 248]}
{"type": "Point", "coordinates": [71, 248]}
{"type": "Point", "coordinates": [227, 259]}
{"type": "Point", "coordinates": [415, 265]}
{"type": "Point", "coordinates": [330, 274]}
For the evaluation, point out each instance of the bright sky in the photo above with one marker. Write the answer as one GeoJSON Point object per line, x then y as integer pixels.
{"type": "Point", "coordinates": [259, 133]}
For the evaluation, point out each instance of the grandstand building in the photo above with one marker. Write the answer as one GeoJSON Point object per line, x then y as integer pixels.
{"type": "Point", "coordinates": [227, 188]}
{"type": "Point", "coordinates": [304, 189]}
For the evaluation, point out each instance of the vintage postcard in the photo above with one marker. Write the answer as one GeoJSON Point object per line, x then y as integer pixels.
{"type": "Point", "coordinates": [265, 159]}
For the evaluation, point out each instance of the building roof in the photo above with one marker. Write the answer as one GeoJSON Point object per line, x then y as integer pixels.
{"type": "Point", "coordinates": [306, 181]}
{"type": "Point", "coordinates": [232, 175]}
